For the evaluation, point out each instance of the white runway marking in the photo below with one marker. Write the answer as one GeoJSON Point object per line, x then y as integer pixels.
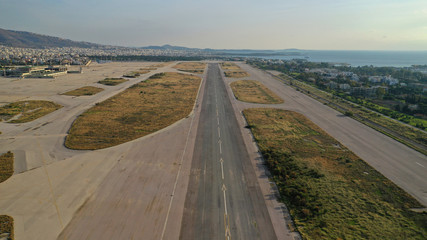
{"type": "Point", "coordinates": [420, 164]}
{"type": "Point", "coordinates": [222, 168]}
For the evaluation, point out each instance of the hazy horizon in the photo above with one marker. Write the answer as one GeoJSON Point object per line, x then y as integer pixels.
{"type": "Point", "coordinates": [388, 25]}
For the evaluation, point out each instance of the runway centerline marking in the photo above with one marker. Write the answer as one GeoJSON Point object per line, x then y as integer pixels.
{"type": "Point", "coordinates": [220, 143]}
{"type": "Point", "coordinates": [219, 132]}
{"type": "Point", "coordinates": [420, 164]}
{"type": "Point", "coordinates": [226, 219]}
{"type": "Point", "coordinates": [222, 168]}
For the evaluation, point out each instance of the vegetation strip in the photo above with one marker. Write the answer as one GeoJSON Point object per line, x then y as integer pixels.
{"type": "Point", "coordinates": [144, 108]}
{"type": "Point", "coordinates": [6, 171]}
{"type": "Point", "coordinates": [112, 81]}
{"type": "Point", "coordinates": [331, 192]}
{"type": "Point", "coordinates": [192, 67]}
{"type": "Point", "coordinates": [236, 74]}
{"type": "Point", "coordinates": [232, 70]}
{"type": "Point", "coordinates": [84, 91]}
{"type": "Point", "coordinates": [26, 111]}
{"type": "Point", "coordinates": [407, 135]}
{"type": "Point", "coordinates": [135, 74]}
{"type": "Point", "coordinates": [6, 227]}
{"type": "Point", "coordinates": [6, 166]}
{"type": "Point", "coordinates": [254, 92]}
{"type": "Point", "coordinates": [229, 66]}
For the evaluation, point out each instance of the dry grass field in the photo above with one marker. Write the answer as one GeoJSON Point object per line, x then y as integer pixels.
{"type": "Point", "coordinates": [236, 74]}
{"type": "Point", "coordinates": [229, 66]}
{"type": "Point", "coordinates": [6, 166]}
{"type": "Point", "coordinates": [160, 65]}
{"type": "Point", "coordinates": [254, 92]}
{"type": "Point", "coordinates": [112, 81]}
{"type": "Point", "coordinates": [231, 70]}
{"type": "Point", "coordinates": [84, 91]}
{"type": "Point", "coordinates": [26, 111]}
{"type": "Point", "coordinates": [331, 193]}
{"type": "Point", "coordinates": [148, 69]}
{"type": "Point", "coordinates": [192, 67]}
{"type": "Point", "coordinates": [6, 226]}
{"type": "Point", "coordinates": [142, 109]}
{"type": "Point", "coordinates": [6, 171]}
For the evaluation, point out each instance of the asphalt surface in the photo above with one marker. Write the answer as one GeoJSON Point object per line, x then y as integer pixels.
{"type": "Point", "coordinates": [224, 199]}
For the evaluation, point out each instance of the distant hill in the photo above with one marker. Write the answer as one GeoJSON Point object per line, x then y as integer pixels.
{"type": "Point", "coordinates": [170, 47]}
{"type": "Point", "coordinates": [232, 52]}
{"type": "Point", "coordinates": [32, 40]}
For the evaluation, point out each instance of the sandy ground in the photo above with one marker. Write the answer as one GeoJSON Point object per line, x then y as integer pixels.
{"type": "Point", "coordinates": [404, 166]}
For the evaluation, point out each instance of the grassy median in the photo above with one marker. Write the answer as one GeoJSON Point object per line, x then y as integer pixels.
{"type": "Point", "coordinates": [142, 109]}
{"type": "Point", "coordinates": [229, 66]}
{"type": "Point", "coordinates": [236, 74]}
{"type": "Point", "coordinates": [192, 67]}
{"type": "Point", "coordinates": [26, 111]}
{"type": "Point", "coordinates": [331, 193]}
{"type": "Point", "coordinates": [6, 226]}
{"type": "Point", "coordinates": [135, 74]}
{"type": "Point", "coordinates": [112, 81]}
{"type": "Point", "coordinates": [6, 171]}
{"type": "Point", "coordinates": [254, 92]}
{"type": "Point", "coordinates": [84, 91]}
{"type": "Point", "coordinates": [6, 166]}
{"type": "Point", "coordinates": [231, 70]}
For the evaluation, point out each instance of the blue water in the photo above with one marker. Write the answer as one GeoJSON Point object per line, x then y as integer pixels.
{"type": "Point", "coordinates": [359, 58]}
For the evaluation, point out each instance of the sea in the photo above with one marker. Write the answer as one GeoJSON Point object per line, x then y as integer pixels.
{"type": "Point", "coordinates": [352, 58]}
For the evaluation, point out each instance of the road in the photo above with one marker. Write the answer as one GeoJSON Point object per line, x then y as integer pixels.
{"type": "Point", "coordinates": [224, 199]}
{"type": "Point", "coordinates": [404, 166]}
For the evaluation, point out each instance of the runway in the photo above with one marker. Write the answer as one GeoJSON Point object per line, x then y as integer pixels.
{"type": "Point", "coordinates": [224, 200]}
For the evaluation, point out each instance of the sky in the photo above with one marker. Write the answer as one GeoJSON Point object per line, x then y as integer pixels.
{"type": "Point", "coordinates": [227, 24]}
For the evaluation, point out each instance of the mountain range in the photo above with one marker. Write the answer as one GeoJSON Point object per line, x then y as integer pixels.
{"type": "Point", "coordinates": [22, 39]}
